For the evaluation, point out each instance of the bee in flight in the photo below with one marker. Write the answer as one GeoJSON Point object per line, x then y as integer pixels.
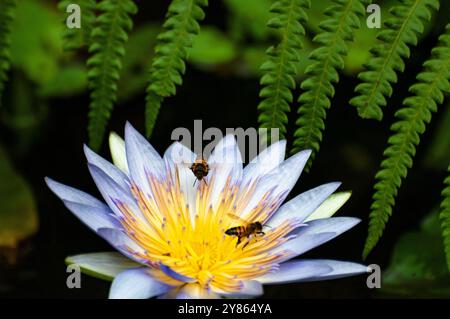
{"type": "Point", "coordinates": [246, 230]}
{"type": "Point", "coordinates": [200, 169]}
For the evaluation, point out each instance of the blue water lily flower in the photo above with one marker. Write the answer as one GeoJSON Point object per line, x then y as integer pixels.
{"type": "Point", "coordinates": [170, 231]}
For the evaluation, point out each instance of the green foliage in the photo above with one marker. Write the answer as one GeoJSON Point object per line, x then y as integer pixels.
{"type": "Point", "coordinates": [280, 68]}
{"type": "Point", "coordinates": [398, 33]}
{"type": "Point", "coordinates": [445, 217]}
{"type": "Point", "coordinates": [417, 267]}
{"type": "Point", "coordinates": [6, 18]}
{"type": "Point", "coordinates": [438, 152]}
{"type": "Point", "coordinates": [76, 38]}
{"type": "Point", "coordinates": [18, 213]}
{"type": "Point", "coordinates": [107, 49]}
{"type": "Point", "coordinates": [322, 72]}
{"type": "Point", "coordinates": [433, 82]}
{"type": "Point", "coordinates": [168, 66]}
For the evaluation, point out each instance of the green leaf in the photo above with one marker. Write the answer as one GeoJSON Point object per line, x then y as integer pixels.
{"type": "Point", "coordinates": [180, 28]}
{"type": "Point", "coordinates": [417, 267]}
{"type": "Point", "coordinates": [211, 47]}
{"type": "Point", "coordinates": [280, 67]}
{"type": "Point", "coordinates": [36, 44]}
{"type": "Point", "coordinates": [397, 35]}
{"type": "Point", "coordinates": [107, 51]}
{"type": "Point", "coordinates": [103, 265]}
{"type": "Point", "coordinates": [18, 214]}
{"type": "Point", "coordinates": [68, 81]}
{"type": "Point", "coordinates": [343, 18]}
{"type": "Point", "coordinates": [411, 122]}
{"type": "Point", "coordinates": [445, 217]}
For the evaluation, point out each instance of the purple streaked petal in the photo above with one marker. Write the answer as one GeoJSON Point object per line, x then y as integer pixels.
{"type": "Point", "coordinates": [124, 244]}
{"type": "Point", "coordinates": [136, 284]}
{"type": "Point", "coordinates": [175, 275]}
{"type": "Point", "coordinates": [179, 157]}
{"type": "Point", "coordinates": [266, 161]}
{"type": "Point", "coordinates": [94, 217]}
{"type": "Point", "coordinates": [339, 269]}
{"type": "Point", "coordinates": [295, 271]}
{"type": "Point", "coordinates": [303, 205]}
{"type": "Point", "coordinates": [88, 209]}
{"type": "Point", "coordinates": [112, 171]}
{"type": "Point", "coordinates": [337, 225]}
{"type": "Point", "coordinates": [191, 291]}
{"type": "Point", "coordinates": [224, 162]}
{"type": "Point", "coordinates": [113, 192]}
{"type": "Point", "coordinates": [68, 193]}
{"type": "Point", "coordinates": [280, 180]}
{"type": "Point", "coordinates": [143, 160]}
{"type": "Point", "coordinates": [250, 288]}
{"type": "Point", "coordinates": [300, 245]}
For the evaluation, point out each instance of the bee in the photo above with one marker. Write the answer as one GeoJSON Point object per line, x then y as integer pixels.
{"type": "Point", "coordinates": [200, 169]}
{"type": "Point", "coordinates": [246, 230]}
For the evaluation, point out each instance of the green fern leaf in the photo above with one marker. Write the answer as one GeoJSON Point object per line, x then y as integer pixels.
{"type": "Point", "coordinates": [280, 68]}
{"type": "Point", "coordinates": [337, 30]}
{"type": "Point", "coordinates": [398, 34]}
{"type": "Point", "coordinates": [107, 49]}
{"type": "Point", "coordinates": [427, 93]}
{"type": "Point", "coordinates": [6, 18]}
{"type": "Point", "coordinates": [168, 66]}
{"type": "Point", "coordinates": [77, 38]}
{"type": "Point", "coordinates": [445, 217]}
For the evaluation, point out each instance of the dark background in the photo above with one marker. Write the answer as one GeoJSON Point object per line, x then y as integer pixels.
{"type": "Point", "coordinates": [350, 152]}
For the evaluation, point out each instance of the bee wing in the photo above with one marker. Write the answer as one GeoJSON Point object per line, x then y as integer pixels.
{"type": "Point", "coordinates": [237, 218]}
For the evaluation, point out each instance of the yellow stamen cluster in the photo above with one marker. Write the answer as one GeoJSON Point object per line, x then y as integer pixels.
{"type": "Point", "coordinates": [195, 245]}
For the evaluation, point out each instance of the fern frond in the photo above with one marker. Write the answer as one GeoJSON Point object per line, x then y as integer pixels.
{"type": "Point", "coordinates": [280, 68]}
{"type": "Point", "coordinates": [6, 18]}
{"type": "Point", "coordinates": [77, 38]}
{"type": "Point", "coordinates": [427, 93]}
{"type": "Point", "coordinates": [445, 217]}
{"type": "Point", "coordinates": [387, 57]}
{"type": "Point", "coordinates": [337, 30]}
{"type": "Point", "coordinates": [107, 49]}
{"type": "Point", "coordinates": [168, 66]}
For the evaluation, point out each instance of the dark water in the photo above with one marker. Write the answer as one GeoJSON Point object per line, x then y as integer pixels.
{"type": "Point", "coordinates": [351, 152]}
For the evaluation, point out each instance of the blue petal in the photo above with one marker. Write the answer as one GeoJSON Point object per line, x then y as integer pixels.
{"type": "Point", "coordinates": [88, 209]}
{"type": "Point", "coordinates": [136, 284]}
{"type": "Point", "coordinates": [172, 273]}
{"type": "Point", "coordinates": [280, 180]}
{"type": "Point", "coordinates": [225, 162]}
{"type": "Point", "coordinates": [337, 225]}
{"type": "Point", "coordinates": [339, 269]}
{"type": "Point", "coordinates": [303, 205]}
{"type": "Point", "coordinates": [112, 171]}
{"type": "Point", "coordinates": [113, 193]}
{"type": "Point", "coordinates": [124, 244]}
{"type": "Point", "coordinates": [295, 271]}
{"type": "Point", "coordinates": [250, 288]}
{"type": "Point", "coordinates": [143, 160]}
{"type": "Point", "coordinates": [300, 245]}
{"type": "Point", "coordinates": [266, 161]}
{"type": "Point", "coordinates": [315, 233]}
